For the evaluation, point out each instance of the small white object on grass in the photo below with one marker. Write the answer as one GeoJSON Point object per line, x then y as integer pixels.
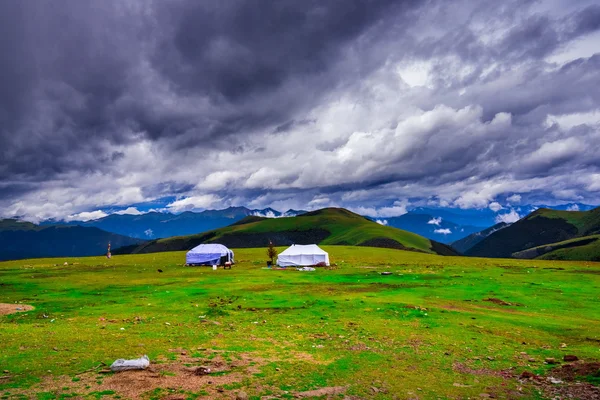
{"type": "Point", "coordinates": [124, 365]}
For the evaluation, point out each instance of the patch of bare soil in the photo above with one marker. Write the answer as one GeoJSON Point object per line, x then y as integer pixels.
{"type": "Point", "coordinates": [168, 375]}
{"type": "Point", "coordinates": [501, 302]}
{"type": "Point", "coordinates": [307, 357]}
{"type": "Point", "coordinates": [187, 373]}
{"type": "Point", "coordinates": [465, 369]}
{"type": "Point", "coordinates": [562, 382]}
{"type": "Point", "coordinates": [7, 308]}
{"type": "Point", "coordinates": [571, 372]}
{"type": "Point", "coordinates": [326, 391]}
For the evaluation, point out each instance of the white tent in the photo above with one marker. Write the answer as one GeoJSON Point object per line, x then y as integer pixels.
{"type": "Point", "coordinates": [297, 255]}
{"type": "Point", "coordinates": [209, 254]}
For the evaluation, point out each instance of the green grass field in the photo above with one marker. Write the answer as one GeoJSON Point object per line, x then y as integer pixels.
{"type": "Point", "coordinates": [425, 332]}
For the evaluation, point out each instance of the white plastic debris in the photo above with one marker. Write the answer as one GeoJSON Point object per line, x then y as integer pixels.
{"type": "Point", "coordinates": [554, 380]}
{"type": "Point", "coordinates": [306, 269]}
{"type": "Point", "coordinates": [124, 365]}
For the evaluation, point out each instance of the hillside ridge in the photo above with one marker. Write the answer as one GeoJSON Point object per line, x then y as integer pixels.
{"type": "Point", "coordinates": [543, 227]}
{"type": "Point", "coordinates": [329, 226]}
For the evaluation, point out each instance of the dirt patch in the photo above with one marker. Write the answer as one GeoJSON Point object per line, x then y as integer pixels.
{"type": "Point", "coordinates": [465, 369]}
{"type": "Point", "coordinates": [180, 375]}
{"type": "Point", "coordinates": [7, 308]}
{"type": "Point", "coordinates": [586, 271]}
{"type": "Point", "coordinates": [570, 372]}
{"type": "Point", "coordinates": [307, 357]}
{"type": "Point", "coordinates": [571, 391]}
{"type": "Point", "coordinates": [564, 382]}
{"type": "Point", "coordinates": [132, 384]}
{"type": "Point", "coordinates": [501, 302]}
{"type": "Point", "coordinates": [326, 391]}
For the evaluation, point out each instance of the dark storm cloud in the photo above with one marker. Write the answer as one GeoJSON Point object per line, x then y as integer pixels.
{"type": "Point", "coordinates": [62, 70]}
{"type": "Point", "coordinates": [250, 99]}
{"type": "Point", "coordinates": [73, 75]}
{"type": "Point", "coordinates": [586, 21]}
{"type": "Point", "coordinates": [238, 49]}
{"type": "Point", "coordinates": [167, 188]}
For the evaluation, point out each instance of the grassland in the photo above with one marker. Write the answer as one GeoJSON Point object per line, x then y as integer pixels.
{"type": "Point", "coordinates": [427, 331]}
{"type": "Point", "coordinates": [581, 248]}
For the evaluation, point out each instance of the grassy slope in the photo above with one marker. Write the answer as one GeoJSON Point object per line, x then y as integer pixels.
{"type": "Point", "coordinates": [344, 226]}
{"type": "Point", "coordinates": [349, 326]}
{"type": "Point", "coordinates": [581, 248]}
{"type": "Point", "coordinates": [16, 225]}
{"type": "Point", "coordinates": [338, 225]}
{"type": "Point", "coordinates": [586, 222]}
{"type": "Point", "coordinates": [540, 228]}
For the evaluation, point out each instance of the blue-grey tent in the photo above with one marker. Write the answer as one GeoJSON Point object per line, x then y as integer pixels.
{"type": "Point", "coordinates": [209, 254]}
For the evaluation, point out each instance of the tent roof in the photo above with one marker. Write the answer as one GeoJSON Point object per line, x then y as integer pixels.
{"type": "Point", "coordinates": [303, 249]}
{"type": "Point", "coordinates": [210, 248]}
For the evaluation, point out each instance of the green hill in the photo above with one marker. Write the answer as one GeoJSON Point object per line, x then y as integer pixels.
{"type": "Point", "coordinates": [329, 226]}
{"type": "Point", "coordinates": [16, 225]}
{"type": "Point", "coordinates": [581, 248]}
{"type": "Point", "coordinates": [542, 228]}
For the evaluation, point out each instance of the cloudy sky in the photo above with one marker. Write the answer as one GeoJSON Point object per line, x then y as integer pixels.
{"type": "Point", "coordinates": [374, 105]}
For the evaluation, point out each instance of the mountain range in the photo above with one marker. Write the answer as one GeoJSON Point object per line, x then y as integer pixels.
{"type": "Point", "coordinates": [544, 233]}
{"type": "Point", "coordinates": [328, 226]}
{"type": "Point", "coordinates": [445, 225]}
{"type": "Point", "coordinates": [25, 240]}
{"type": "Point", "coordinates": [155, 225]}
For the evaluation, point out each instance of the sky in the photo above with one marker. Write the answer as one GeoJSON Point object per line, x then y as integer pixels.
{"type": "Point", "coordinates": [377, 106]}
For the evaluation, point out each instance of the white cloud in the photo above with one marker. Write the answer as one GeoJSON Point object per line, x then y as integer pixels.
{"type": "Point", "coordinates": [584, 47]}
{"type": "Point", "coordinates": [415, 74]}
{"type": "Point", "coordinates": [149, 232]}
{"type": "Point", "coordinates": [550, 153]}
{"type": "Point", "coordinates": [219, 180]}
{"type": "Point", "coordinates": [381, 221]}
{"type": "Point", "coordinates": [435, 221]}
{"type": "Point", "coordinates": [129, 211]}
{"type": "Point", "coordinates": [268, 214]}
{"type": "Point", "coordinates": [594, 183]}
{"type": "Point", "coordinates": [193, 203]}
{"type": "Point", "coordinates": [515, 198]}
{"type": "Point", "coordinates": [567, 194]}
{"type": "Point", "coordinates": [573, 207]}
{"type": "Point", "coordinates": [86, 216]}
{"type": "Point", "coordinates": [568, 121]}
{"type": "Point", "coordinates": [319, 201]}
{"type": "Point", "coordinates": [444, 231]}
{"type": "Point", "coordinates": [509, 217]}
{"type": "Point", "coordinates": [398, 209]}
{"type": "Point", "coordinates": [495, 206]}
